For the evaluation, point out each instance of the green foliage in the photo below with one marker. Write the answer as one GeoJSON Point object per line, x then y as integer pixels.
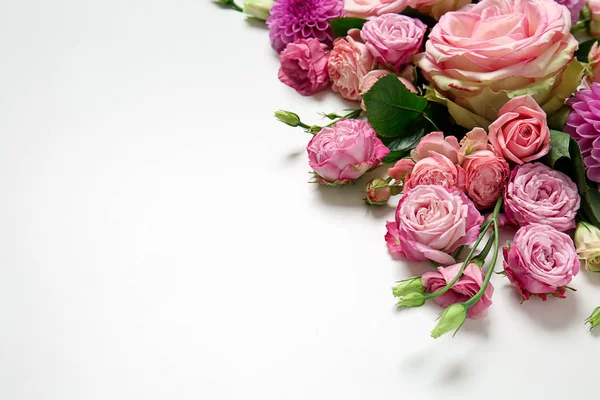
{"type": "Point", "coordinates": [341, 26]}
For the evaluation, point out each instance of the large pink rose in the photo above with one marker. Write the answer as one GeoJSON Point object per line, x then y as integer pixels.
{"type": "Point", "coordinates": [393, 39]}
{"type": "Point", "coordinates": [436, 170]}
{"type": "Point", "coordinates": [463, 290]}
{"type": "Point", "coordinates": [539, 194]}
{"type": "Point", "coordinates": [481, 56]}
{"type": "Point", "coordinates": [344, 152]}
{"type": "Point", "coordinates": [304, 66]}
{"type": "Point", "coordinates": [368, 8]}
{"type": "Point", "coordinates": [367, 82]}
{"type": "Point", "coordinates": [431, 222]}
{"type": "Point", "coordinates": [435, 142]}
{"type": "Point", "coordinates": [348, 63]}
{"type": "Point", "coordinates": [441, 7]}
{"type": "Point", "coordinates": [540, 261]}
{"type": "Point", "coordinates": [521, 133]}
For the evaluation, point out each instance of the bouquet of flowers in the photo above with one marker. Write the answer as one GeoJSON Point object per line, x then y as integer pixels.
{"type": "Point", "coordinates": [487, 115]}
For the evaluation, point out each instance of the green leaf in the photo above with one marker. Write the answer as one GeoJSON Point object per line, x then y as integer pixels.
{"type": "Point", "coordinates": [559, 148]}
{"type": "Point", "coordinates": [391, 108]}
{"type": "Point", "coordinates": [341, 26]}
{"type": "Point", "coordinates": [584, 50]}
{"type": "Point", "coordinates": [559, 118]}
{"type": "Point", "coordinates": [590, 197]}
{"type": "Point", "coordinates": [426, 19]}
{"type": "Point", "coordinates": [395, 156]}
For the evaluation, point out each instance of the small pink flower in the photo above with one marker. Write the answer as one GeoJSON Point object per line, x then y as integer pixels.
{"type": "Point", "coordinates": [367, 82]}
{"type": "Point", "coordinates": [539, 194]}
{"type": "Point", "coordinates": [473, 141]}
{"type": "Point", "coordinates": [348, 63]}
{"type": "Point", "coordinates": [436, 142]}
{"type": "Point", "coordinates": [304, 66]}
{"type": "Point", "coordinates": [540, 261]}
{"type": "Point", "coordinates": [402, 168]}
{"type": "Point", "coordinates": [486, 178]}
{"type": "Point", "coordinates": [521, 132]}
{"type": "Point", "coordinates": [436, 170]}
{"type": "Point", "coordinates": [463, 290]}
{"type": "Point", "coordinates": [378, 192]}
{"type": "Point", "coordinates": [345, 151]}
{"type": "Point", "coordinates": [393, 39]}
{"type": "Point", "coordinates": [431, 222]}
{"type": "Point", "coordinates": [594, 6]}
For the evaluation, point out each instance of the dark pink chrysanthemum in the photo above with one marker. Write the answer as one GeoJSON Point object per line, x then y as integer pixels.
{"type": "Point", "coordinates": [583, 124]}
{"type": "Point", "coordinates": [291, 20]}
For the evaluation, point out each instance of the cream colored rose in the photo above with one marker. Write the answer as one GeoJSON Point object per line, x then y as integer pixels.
{"type": "Point", "coordinates": [587, 241]}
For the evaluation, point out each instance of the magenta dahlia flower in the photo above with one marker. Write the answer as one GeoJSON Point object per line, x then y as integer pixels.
{"type": "Point", "coordinates": [291, 20]}
{"type": "Point", "coordinates": [583, 124]}
{"type": "Point", "coordinates": [574, 6]}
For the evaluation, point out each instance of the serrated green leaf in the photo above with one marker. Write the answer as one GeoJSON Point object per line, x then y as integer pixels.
{"type": "Point", "coordinates": [395, 156]}
{"type": "Point", "coordinates": [341, 26]}
{"type": "Point", "coordinates": [559, 148]}
{"type": "Point", "coordinates": [558, 120]}
{"type": "Point", "coordinates": [590, 197]}
{"type": "Point", "coordinates": [392, 108]}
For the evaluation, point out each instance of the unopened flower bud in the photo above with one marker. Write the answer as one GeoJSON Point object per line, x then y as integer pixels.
{"type": "Point", "coordinates": [378, 192]}
{"type": "Point", "coordinates": [407, 286]}
{"type": "Point", "coordinates": [452, 318]}
{"type": "Point", "coordinates": [594, 319]}
{"type": "Point", "coordinates": [258, 8]}
{"type": "Point", "coordinates": [288, 117]}
{"type": "Point", "coordinates": [315, 129]}
{"type": "Point", "coordinates": [414, 299]}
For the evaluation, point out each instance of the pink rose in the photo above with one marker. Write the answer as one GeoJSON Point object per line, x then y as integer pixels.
{"type": "Point", "coordinates": [431, 222]}
{"type": "Point", "coordinates": [368, 8]}
{"type": "Point", "coordinates": [441, 7]}
{"type": "Point", "coordinates": [402, 168]}
{"type": "Point", "coordinates": [538, 194]}
{"type": "Point", "coordinates": [594, 59]}
{"type": "Point", "coordinates": [594, 6]}
{"type": "Point", "coordinates": [304, 66]}
{"type": "Point", "coordinates": [463, 290]}
{"type": "Point", "coordinates": [540, 261]}
{"type": "Point", "coordinates": [482, 55]}
{"type": "Point", "coordinates": [436, 170]}
{"type": "Point", "coordinates": [349, 62]}
{"type": "Point", "coordinates": [344, 152]}
{"type": "Point", "coordinates": [436, 142]}
{"type": "Point", "coordinates": [474, 141]}
{"type": "Point", "coordinates": [521, 133]}
{"type": "Point", "coordinates": [393, 39]}
{"type": "Point", "coordinates": [367, 82]}
{"type": "Point", "coordinates": [486, 177]}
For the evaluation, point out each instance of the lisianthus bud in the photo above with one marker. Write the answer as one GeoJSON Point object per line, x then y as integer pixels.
{"type": "Point", "coordinates": [594, 319]}
{"type": "Point", "coordinates": [452, 318]}
{"type": "Point", "coordinates": [414, 299]}
{"type": "Point", "coordinates": [288, 117]}
{"type": "Point", "coordinates": [587, 242]}
{"type": "Point", "coordinates": [378, 192]}
{"type": "Point", "coordinates": [258, 8]}
{"type": "Point", "coordinates": [407, 286]}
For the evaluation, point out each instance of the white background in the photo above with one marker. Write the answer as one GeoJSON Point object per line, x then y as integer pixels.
{"type": "Point", "coordinates": [159, 239]}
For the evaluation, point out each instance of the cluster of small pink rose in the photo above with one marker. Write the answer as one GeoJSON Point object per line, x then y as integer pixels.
{"type": "Point", "coordinates": [504, 72]}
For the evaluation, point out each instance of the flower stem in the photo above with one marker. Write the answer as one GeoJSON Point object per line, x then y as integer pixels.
{"type": "Point", "coordinates": [236, 7]}
{"type": "Point", "coordinates": [353, 114]}
{"type": "Point", "coordinates": [480, 259]}
{"type": "Point", "coordinates": [430, 121]}
{"type": "Point", "coordinates": [581, 25]}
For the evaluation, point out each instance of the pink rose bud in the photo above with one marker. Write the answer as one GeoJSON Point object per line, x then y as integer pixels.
{"type": "Point", "coordinates": [594, 60]}
{"type": "Point", "coordinates": [436, 142]}
{"type": "Point", "coordinates": [348, 63]}
{"type": "Point", "coordinates": [402, 168]}
{"type": "Point", "coordinates": [463, 290]}
{"type": "Point", "coordinates": [486, 177]}
{"type": "Point", "coordinates": [473, 141]}
{"type": "Point", "coordinates": [369, 80]}
{"type": "Point", "coordinates": [541, 261]}
{"type": "Point", "coordinates": [521, 132]}
{"type": "Point", "coordinates": [431, 222]}
{"type": "Point", "coordinates": [594, 7]}
{"type": "Point", "coordinates": [436, 170]}
{"type": "Point", "coordinates": [393, 39]}
{"type": "Point", "coordinates": [345, 151]}
{"type": "Point", "coordinates": [378, 192]}
{"type": "Point", "coordinates": [304, 66]}
{"type": "Point", "coordinates": [539, 194]}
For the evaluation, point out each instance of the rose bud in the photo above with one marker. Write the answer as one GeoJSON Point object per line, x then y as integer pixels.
{"type": "Point", "coordinates": [452, 318]}
{"type": "Point", "coordinates": [463, 290]}
{"type": "Point", "coordinates": [521, 133]}
{"type": "Point", "coordinates": [538, 194]}
{"type": "Point", "coordinates": [288, 118]}
{"type": "Point", "coordinates": [587, 243]}
{"type": "Point", "coordinates": [431, 222]}
{"type": "Point", "coordinates": [402, 168]}
{"type": "Point", "coordinates": [474, 141]}
{"type": "Point", "coordinates": [378, 192]}
{"type": "Point", "coordinates": [258, 8]}
{"type": "Point", "coordinates": [541, 261]}
{"type": "Point", "coordinates": [594, 319]}
{"type": "Point", "coordinates": [408, 286]}
{"type": "Point", "coordinates": [345, 151]}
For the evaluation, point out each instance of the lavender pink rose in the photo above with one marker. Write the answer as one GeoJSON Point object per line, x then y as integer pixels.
{"type": "Point", "coordinates": [304, 66]}
{"type": "Point", "coordinates": [344, 152]}
{"type": "Point", "coordinates": [431, 222]}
